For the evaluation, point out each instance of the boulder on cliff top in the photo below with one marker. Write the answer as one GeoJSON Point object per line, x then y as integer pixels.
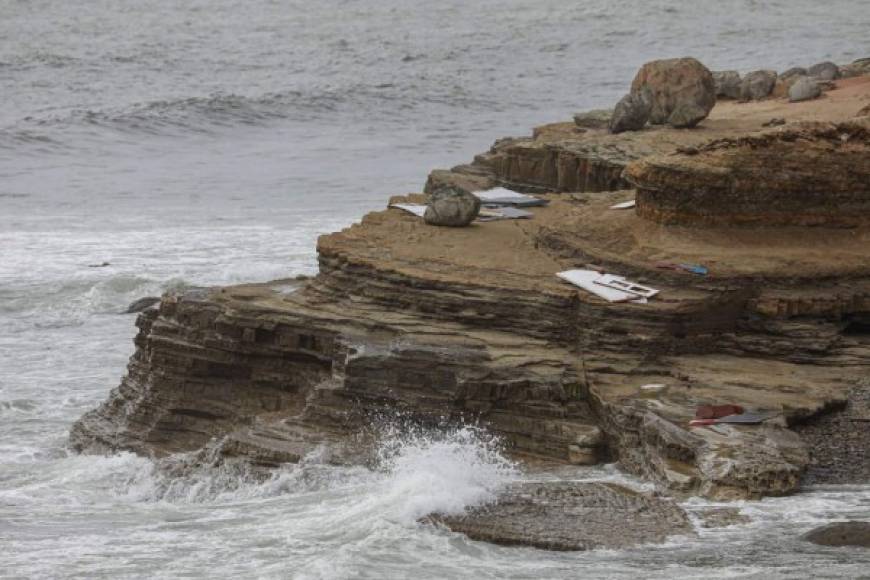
{"type": "Point", "coordinates": [856, 68]}
{"type": "Point", "coordinates": [674, 83]}
{"type": "Point", "coordinates": [631, 112]}
{"type": "Point", "coordinates": [572, 516]}
{"type": "Point", "coordinates": [451, 206]}
{"type": "Point", "coordinates": [757, 85]}
{"type": "Point", "coordinates": [807, 173]}
{"type": "Point", "coordinates": [826, 71]}
{"type": "Point", "coordinates": [804, 89]}
{"type": "Point", "coordinates": [841, 534]}
{"type": "Point", "coordinates": [595, 119]}
{"type": "Point", "coordinates": [727, 84]}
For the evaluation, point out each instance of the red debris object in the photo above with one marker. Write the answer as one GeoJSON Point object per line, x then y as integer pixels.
{"type": "Point", "coordinates": [717, 411]}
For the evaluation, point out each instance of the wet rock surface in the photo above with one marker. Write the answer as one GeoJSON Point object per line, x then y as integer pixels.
{"type": "Point", "coordinates": [841, 534]}
{"type": "Point", "coordinates": [572, 516]}
{"type": "Point", "coordinates": [839, 442]}
{"type": "Point", "coordinates": [142, 304]}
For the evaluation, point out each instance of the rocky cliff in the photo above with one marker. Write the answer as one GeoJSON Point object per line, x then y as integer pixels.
{"type": "Point", "coordinates": [447, 324]}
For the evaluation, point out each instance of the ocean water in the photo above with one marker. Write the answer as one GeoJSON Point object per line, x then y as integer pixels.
{"type": "Point", "coordinates": [210, 142]}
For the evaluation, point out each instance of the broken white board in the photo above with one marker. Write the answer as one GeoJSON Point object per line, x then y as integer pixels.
{"type": "Point", "coordinates": [503, 213]}
{"type": "Point", "coordinates": [620, 283]}
{"type": "Point", "coordinates": [624, 205]}
{"type": "Point", "coordinates": [414, 208]}
{"type": "Point", "coordinates": [586, 279]}
{"type": "Point", "coordinates": [504, 196]}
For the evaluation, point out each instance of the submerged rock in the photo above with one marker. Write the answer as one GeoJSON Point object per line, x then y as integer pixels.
{"type": "Point", "coordinates": [727, 84]}
{"type": "Point", "coordinates": [631, 112]}
{"type": "Point", "coordinates": [675, 83]}
{"type": "Point", "coordinates": [804, 89]}
{"type": "Point", "coordinates": [572, 516]}
{"type": "Point", "coordinates": [451, 206]}
{"type": "Point", "coordinates": [757, 85]}
{"type": "Point", "coordinates": [841, 534]}
{"type": "Point", "coordinates": [142, 304]}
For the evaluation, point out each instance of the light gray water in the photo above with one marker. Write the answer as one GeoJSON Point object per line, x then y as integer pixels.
{"type": "Point", "coordinates": [210, 142]}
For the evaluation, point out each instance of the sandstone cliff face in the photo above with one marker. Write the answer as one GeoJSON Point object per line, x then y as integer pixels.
{"type": "Point", "coordinates": [471, 324]}
{"type": "Point", "coordinates": [803, 174]}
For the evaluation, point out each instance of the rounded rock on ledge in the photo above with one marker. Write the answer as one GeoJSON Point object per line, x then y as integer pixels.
{"type": "Point", "coordinates": [452, 207]}
{"type": "Point", "coordinates": [826, 71]}
{"type": "Point", "coordinates": [757, 85]}
{"type": "Point", "coordinates": [841, 534]}
{"type": "Point", "coordinates": [631, 112]}
{"type": "Point", "coordinates": [804, 89]}
{"type": "Point", "coordinates": [727, 84]}
{"type": "Point", "coordinates": [686, 116]}
{"type": "Point", "coordinates": [673, 83]}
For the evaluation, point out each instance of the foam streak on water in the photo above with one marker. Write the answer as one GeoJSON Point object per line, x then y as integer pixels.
{"type": "Point", "coordinates": [210, 142]}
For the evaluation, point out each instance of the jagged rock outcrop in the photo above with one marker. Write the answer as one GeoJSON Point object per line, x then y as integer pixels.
{"type": "Point", "coordinates": [441, 325]}
{"type": "Point", "coordinates": [801, 174]}
{"type": "Point", "coordinates": [676, 84]}
{"type": "Point", "coordinates": [572, 516]}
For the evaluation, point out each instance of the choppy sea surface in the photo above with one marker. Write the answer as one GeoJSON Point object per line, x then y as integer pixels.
{"type": "Point", "coordinates": [210, 142]}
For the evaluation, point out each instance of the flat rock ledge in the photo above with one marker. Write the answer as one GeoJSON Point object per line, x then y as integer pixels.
{"type": "Point", "coordinates": [472, 324]}
{"type": "Point", "coordinates": [571, 517]}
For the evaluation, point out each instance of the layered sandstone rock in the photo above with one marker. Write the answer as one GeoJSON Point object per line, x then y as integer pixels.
{"type": "Point", "coordinates": [801, 174]}
{"type": "Point", "coordinates": [442, 325]}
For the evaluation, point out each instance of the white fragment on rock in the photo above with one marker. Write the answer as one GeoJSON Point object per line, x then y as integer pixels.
{"type": "Point", "coordinates": [587, 280]}
{"type": "Point", "coordinates": [624, 205]}
{"type": "Point", "coordinates": [414, 208]}
{"type": "Point", "coordinates": [620, 283]}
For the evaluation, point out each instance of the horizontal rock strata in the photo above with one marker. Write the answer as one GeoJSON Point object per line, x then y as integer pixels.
{"type": "Point", "coordinates": [802, 174]}
{"type": "Point", "coordinates": [441, 325]}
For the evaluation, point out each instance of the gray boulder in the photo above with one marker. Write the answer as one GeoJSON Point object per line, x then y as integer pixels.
{"type": "Point", "coordinates": [795, 71]}
{"type": "Point", "coordinates": [826, 71]}
{"type": "Point", "coordinates": [856, 68]}
{"type": "Point", "coordinates": [451, 206]}
{"type": "Point", "coordinates": [631, 112]}
{"type": "Point", "coordinates": [687, 115]}
{"type": "Point", "coordinates": [142, 304]}
{"type": "Point", "coordinates": [596, 119]}
{"type": "Point", "coordinates": [841, 534]}
{"type": "Point", "coordinates": [757, 85]}
{"type": "Point", "coordinates": [804, 89]}
{"type": "Point", "coordinates": [727, 84]}
{"type": "Point", "coordinates": [673, 83]}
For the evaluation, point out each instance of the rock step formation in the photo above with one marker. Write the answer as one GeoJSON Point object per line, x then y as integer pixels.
{"type": "Point", "coordinates": [802, 174]}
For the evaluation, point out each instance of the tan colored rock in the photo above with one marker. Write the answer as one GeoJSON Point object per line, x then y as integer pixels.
{"type": "Point", "coordinates": [801, 174]}
{"type": "Point", "coordinates": [675, 83]}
